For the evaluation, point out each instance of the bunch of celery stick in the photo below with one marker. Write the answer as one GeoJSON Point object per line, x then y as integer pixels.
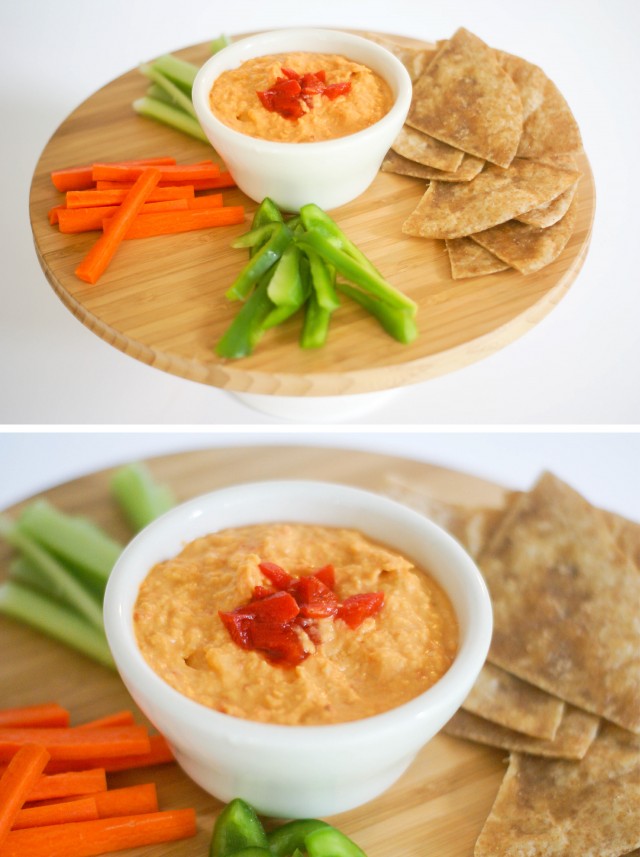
{"type": "Point", "coordinates": [168, 98]}
{"type": "Point", "coordinates": [62, 562]}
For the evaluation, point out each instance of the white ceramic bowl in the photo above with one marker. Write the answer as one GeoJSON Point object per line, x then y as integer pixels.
{"type": "Point", "coordinates": [298, 771]}
{"type": "Point", "coordinates": [328, 173]}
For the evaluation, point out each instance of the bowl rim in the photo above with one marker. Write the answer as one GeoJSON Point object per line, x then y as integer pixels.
{"type": "Point", "coordinates": [136, 672]}
{"type": "Point", "coordinates": [205, 78]}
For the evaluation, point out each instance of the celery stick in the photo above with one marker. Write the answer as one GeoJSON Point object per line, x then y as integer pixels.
{"type": "Point", "coordinates": [181, 72]}
{"type": "Point", "coordinates": [53, 572]}
{"type": "Point", "coordinates": [157, 92]}
{"type": "Point", "coordinates": [221, 42]}
{"type": "Point", "coordinates": [179, 98]}
{"type": "Point", "coordinates": [140, 497]}
{"type": "Point", "coordinates": [74, 539]}
{"type": "Point", "coordinates": [56, 621]}
{"type": "Point", "coordinates": [152, 108]}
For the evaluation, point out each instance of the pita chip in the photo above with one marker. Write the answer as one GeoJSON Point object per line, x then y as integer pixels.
{"type": "Point", "coordinates": [426, 150]}
{"type": "Point", "coordinates": [468, 169]}
{"type": "Point", "coordinates": [459, 209]}
{"type": "Point", "coordinates": [554, 808]}
{"type": "Point", "coordinates": [551, 129]}
{"type": "Point", "coordinates": [565, 601]}
{"type": "Point", "coordinates": [575, 734]}
{"type": "Point", "coordinates": [529, 79]}
{"type": "Point", "coordinates": [469, 259]}
{"type": "Point", "coordinates": [466, 99]}
{"type": "Point", "coordinates": [550, 213]}
{"type": "Point", "coordinates": [415, 60]}
{"type": "Point", "coordinates": [528, 248]}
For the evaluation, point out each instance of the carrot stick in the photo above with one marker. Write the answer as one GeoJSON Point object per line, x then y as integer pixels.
{"type": "Point", "coordinates": [17, 781]}
{"type": "Point", "coordinates": [85, 744]}
{"type": "Point", "coordinates": [213, 200]}
{"type": "Point", "coordinates": [169, 223]}
{"type": "Point", "coordinates": [114, 196]}
{"type": "Point", "coordinates": [177, 172]}
{"type": "Point", "coordinates": [74, 220]}
{"type": "Point", "coordinates": [80, 809]}
{"type": "Point", "coordinates": [45, 714]}
{"type": "Point", "coordinates": [225, 179]}
{"type": "Point", "coordinates": [118, 718]}
{"type": "Point", "coordinates": [69, 783]}
{"type": "Point", "coordinates": [130, 800]}
{"type": "Point", "coordinates": [52, 214]}
{"type": "Point", "coordinates": [88, 838]}
{"type": "Point", "coordinates": [97, 259]}
{"type": "Point", "coordinates": [159, 754]}
{"type": "Point", "coordinates": [77, 178]}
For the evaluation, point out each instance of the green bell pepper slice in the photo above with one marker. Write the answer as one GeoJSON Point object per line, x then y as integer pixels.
{"type": "Point", "coordinates": [252, 851]}
{"type": "Point", "coordinates": [398, 323]}
{"type": "Point", "coordinates": [283, 841]}
{"type": "Point", "coordinates": [246, 329]}
{"type": "Point", "coordinates": [323, 277]}
{"type": "Point", "coordinates": [313, 217]}
{"type": "Point", "coordinates": [286, 287]}
{"type": "Point", "coordinates": [266, 212]}
{"type": "Point", "coordinates": [329, 842]}
{"type": "Point", "coordinates": [237, 827]}
{"type": "Point", "coordinates": [315, 328]}
{"type": "Point", "coordinates": [264, 259]}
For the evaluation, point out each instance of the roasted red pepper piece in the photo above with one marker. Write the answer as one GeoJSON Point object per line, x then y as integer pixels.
{"type": "Point", "coordinates": [327, 575]}
{"type": "Point", "coordinates": [356, 608]}
{"type": "Point", "coordinates": [288, 92]}
{"type": "Point", "coordinates": [276, 574]}
{"type": "Point", "coordinates": [333, 90]}
{"type": "Point", "coordinates": [316, 601]}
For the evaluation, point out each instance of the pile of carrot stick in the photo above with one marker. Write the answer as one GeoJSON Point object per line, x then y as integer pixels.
{"type": "Point", "coordinates": [54, 796]}
{"type": "Point", "coordinates": [139, 199]}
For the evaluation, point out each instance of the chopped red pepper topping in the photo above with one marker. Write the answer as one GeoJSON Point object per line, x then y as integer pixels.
{"type": "Point", "coordinates": [274, 620]}
{"type": "Point", "coordinates": [288, 94]}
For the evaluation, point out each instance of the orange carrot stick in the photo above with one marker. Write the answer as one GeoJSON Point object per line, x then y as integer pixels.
{"type": "Point", "coordinates": [80, 809]}
{"type": "Point", "coordinates": [159, 754]}
{"type": "Point", "coordinates": [73, 220]}
{"type": "Point", "coordinates": [52, 214]}
{"type": "Point", "coordinates": [88, 838]}
{"type": "Point", "coordinates": [98, 258]}
{"type": "Point", "coordinates": [212, 200]}
{"type": "Point", "coordinates": [118, 718]}
{"type": "Point", "coordinates": [77, 178]}
{"type": "Point", "coordinates": [170, 223]}
{"type": "Point", "coordinates": [129, 800]}
{"type": "Point", "coordinates": [225, 179]}
{"type": "Point", "coordinates": [86, 198]}
{"type": "Point", "coordinates": [69, 783]}
{"type": "Point", "coordinates": [17, 781]}
{"type": "Point", "coordinates": [177, 172]}
{"type": "Point", "coordinates": [85, 744]}
{"type": "Point", "coordinates": [44, 714]}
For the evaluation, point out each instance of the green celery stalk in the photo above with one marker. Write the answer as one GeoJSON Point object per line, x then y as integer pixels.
{"type": "Point", "coordinates": [139, 496]}
{"type": "Point", "coordinates": [181, 72]}
{"type": "Point", "coordinates": [221, 42]}
{"type": "Point", "coordinates": [72, 538]}
{"type": "Point", "coordinates": [168, 114]}
{"type": "Point", "coordinates": [26, 605]}
{"type": "Point", "coordinates": [55, 576]}
{"type": "Point", "coordinates": [157, 92]}
{"type": "Point", "coordinates": [180, 98]}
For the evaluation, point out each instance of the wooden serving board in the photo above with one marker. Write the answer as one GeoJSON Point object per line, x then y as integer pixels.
{"type": "Point", "coordinates": [162, 299]}
{"type": "Point", "coordinates": [439, 805]}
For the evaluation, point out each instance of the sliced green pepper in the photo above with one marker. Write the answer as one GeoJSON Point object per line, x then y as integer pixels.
{"type": "Point", "coordinates": [266, 212]}
{"type": "Point", "coordinates": [398, 323]}
{"type": "Point", "coordinates": [356, 272]}
{"type": "Point", "coordinates": [329, 842]}
{"type": "Point", "coordinates": [255, 237]}
{"type": "Point", "coordinates": [323, 277]}
{"type": "Point", "coordinates": [264, 259]}
{"type": "Point", "coordinates": [236, 828]}
{"type": "Point", "coordinates": [316, 324]}
{"type": "Point", "coordinates": [286, 286]}
{"type": "Point", "coordinates": [313, 217]}
{"type": "Point", "coordinates": [283, 841]}
{"type": "Point", "coordinates": [301, 293]}
{"type": "Point", "coordinates": [246, 329]}
{"type": "Point", "coordinates": [252, 851]}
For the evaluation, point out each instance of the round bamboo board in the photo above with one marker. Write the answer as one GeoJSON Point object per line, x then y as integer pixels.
{"type": "Point", "coordinates": [162, 299]}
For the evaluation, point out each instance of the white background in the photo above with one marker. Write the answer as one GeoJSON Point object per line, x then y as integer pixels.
{"type": "Point", "coordinates": [580, 365]}
{"type": "Point", "coordinates": [604, 467]}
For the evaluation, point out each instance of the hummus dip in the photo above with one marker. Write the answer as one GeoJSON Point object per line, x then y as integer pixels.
{"type": "Point", "coordinates": [234, 99]}
{"type": "Point", "coordinates": [351, 673]}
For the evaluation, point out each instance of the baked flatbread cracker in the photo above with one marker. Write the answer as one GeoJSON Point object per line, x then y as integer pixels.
{"type": "Point", "coordinates": [555, 808]}
{"type": "Point", "coordinates": [506, 700]}
{"type": "Point", "coordinates": [395, 163]}
{"type": "Point", "coordinates": [575, 734]}
{"type": "Point", "coordinates": [415, 60]}
{"type": "Point", "coordinates": [469, 259]}
{"type": "Point", "coordinates": [459, 209]}
{"type": "Point", "coordinates": [565, 602]}
{"type": "Point", "coordinates": [551, 129]}
{"type": "Point", "coordinates": [529, 79]}
{"type": "Point", "coordinates": [550, 213]}
{"type": "Point", "coordinates": [528, 248]}
{"type": "Point", "coordinates": [466, 99]}
{"type": "Point", "coordinates": [424, 149]}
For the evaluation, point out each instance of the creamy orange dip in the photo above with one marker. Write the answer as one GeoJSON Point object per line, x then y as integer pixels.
{"type": "Point", "coordinates": [234, 100]}
{"type": "Point", "coordinates": [389, 659]}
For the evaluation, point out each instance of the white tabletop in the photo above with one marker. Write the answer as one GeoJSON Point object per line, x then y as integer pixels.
{"type": "Point", "coordinates": [580, 365]}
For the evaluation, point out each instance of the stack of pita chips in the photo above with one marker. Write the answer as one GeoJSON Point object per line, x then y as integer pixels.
{"type": "Point", "coordinates": [497, 144]}
{"type": "Point", "coordinates": [561, 688]}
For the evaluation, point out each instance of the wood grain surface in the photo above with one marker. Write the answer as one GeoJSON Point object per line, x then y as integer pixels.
{"type": "Point", "coordinates": [439, 805]}
{"type": "Point", "coordinates": [162, 299]}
